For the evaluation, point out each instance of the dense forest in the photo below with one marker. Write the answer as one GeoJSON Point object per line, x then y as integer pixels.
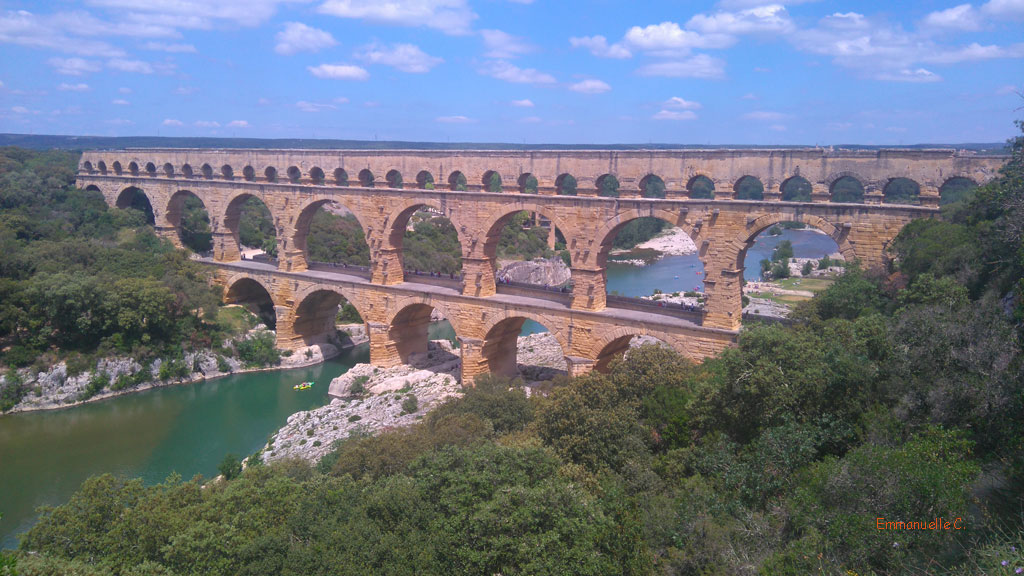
{"type": "Point", "coordinates": [79, 281]}
{"type": "Point", "coordinates": [898, 394]}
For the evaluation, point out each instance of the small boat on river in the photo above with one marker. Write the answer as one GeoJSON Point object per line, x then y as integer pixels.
{"type": "Point", "coordinates": [303, 386]}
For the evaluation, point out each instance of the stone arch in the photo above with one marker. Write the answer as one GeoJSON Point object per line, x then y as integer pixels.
{"type": "Point", "coordinates": [954, 187]}
{"type": "Point", "coordinates": [133, 168]}
{"type": "Point", "coordinates": [102, 166]}
{"type": "Point", "coordinates": [132, 197]}
{"type": "Point", "coordinates": [207, 171]}
{"type": "Point", "coordinates": [457, 181]}
{"type": "Point", "coordinates": [652, 186]}
{"type": "Point", "coordinates": [528, 183]}
{"type": "Point", "coordinates": [746, 237]}
{"type": "Point", "coordinates": [491, 181]}
{"type": "Point", "coordinates": [116, 166]}
{"type": "Point", "coordinates": [340, 177]}
{"type": "Point", "coordinates": [316, 174]}
{"type": "Point", "coordinates": [169, 170]}
{"type": "Point", "coordinates": [87, 166]}
{"type": "Point", "coordinates": [294, 174]}
{"type": "Point", "coordinates": [499, 219]}
{"type": "Point", "coordinates": [249, 173]}
{"type": "Point", "coordinates": [254, 296]}
{"type": "Point", "coordinates": [308, 209]}
{"type": "Point", "coordinates": [901, 190]}
{"type": "Point", "coordinates": [186, 170]}
{"type": "Point", "coordinates": [270, 173]}
{"type": "Point", "coordinates": [498, 352]}
{"type": "Point", "coordinates": [366, 178]}
{"type": "Point", "coordinates": [315, 314]}
{"type": "Point", "coordinates": [393, 178]}
{"type": "Point", "coordinates": [607, 232]}
{"type": "Point", "coordinates": [424, 180]}
{"type": "Point", "coordinates": [150, 169]}
{"type": "Point", "coordinates": [227, 172]}
{"type": "Point", "coordinates": [700, 186]}
{"type": "Point", "coordinates": [199, 240]}
{"type": "Point", "coordinates": [565, 184]}
{"type": "Point", "coordinates": [233, 212]}
{"type": "Point", "coordinates": [407, 328]}
{"type": "Point", "coordinates": [613, 345]}
{"type": "Point", "coordinates": [796, 188]}
{"type": "Point", "coordinates": [399, 221]}
{"type": "Point", "coordinates": [836, 176]}
{"type": "Point", "coordinates": [93, 188]}
{"type": "Point", "coordinates": [607, 185]}
{"type": "Point", "coordinates": [748, 187]}
{"type": "Point", "coordinates": [846, 188]}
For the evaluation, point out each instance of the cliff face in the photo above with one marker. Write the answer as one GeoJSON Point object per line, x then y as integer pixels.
{"type": "Point", "coordinates": [543, 272]}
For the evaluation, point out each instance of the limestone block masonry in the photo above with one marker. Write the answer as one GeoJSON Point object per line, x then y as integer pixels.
{"type": "Point", "coordinates": [384, 188]}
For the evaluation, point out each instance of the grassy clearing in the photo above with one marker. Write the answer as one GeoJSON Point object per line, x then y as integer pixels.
{"type": "Point", "coordinates": [808, 284]}
{"type": "Point", "coordinates": [235, 319]}
{"type": "Point", "coordinates": [786, 299]}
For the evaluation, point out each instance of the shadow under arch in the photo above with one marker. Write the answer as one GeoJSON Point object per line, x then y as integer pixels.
{"type": "Point", "coordinates": [500, 347]}
{"type": "Point", "coordinates": [187, 212]}
{"type": "Point", "coordinates": [134, 198]}
{"type": "Point", "coordinates": [398, 225]}
{"type": "Point", "coordinates": [314, 320]}
{"type": "Point", "coordinates": [231, 218]}
{"type": "Point", "coordinates": [408, 331]}
{"type": "Point", "coordinates": [303, 227]}
{"type": "Point", "coordinates": [252, 295]}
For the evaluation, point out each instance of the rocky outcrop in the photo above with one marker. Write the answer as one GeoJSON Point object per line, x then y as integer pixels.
{"type": "Point", "coordinates": [540, 271]}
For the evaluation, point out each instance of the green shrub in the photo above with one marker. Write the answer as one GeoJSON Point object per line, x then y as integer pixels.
{"type": "Point", "coordinates": [258, 350]}
{"type": "Point", "coordinates": [97, 383]}
{"type": "Point", "coordinates": [230, 466]}
{"type": "Point", "coordinates": [358, 387]}
{"type": "Point", "coordinates": [223, 365]}
{"type": "Point", "coordinates": [410, 404]}
{"type": "Point", "coordinates": [12, 390]}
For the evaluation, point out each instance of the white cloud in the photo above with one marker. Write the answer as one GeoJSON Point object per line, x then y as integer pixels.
{"type": "Point", "coordinates": [958, 18]}
{"type": "Point", "coordinates": [65, 87]}
{"type": "Point", "coordinates": [503, 70]}
{"type": "Point", "coordinates": [238, 124]}
{"type": "Point", "coordinates": [524, 103]}
{"type": "Point", "coordinates": [504, 45]}
{"type": "Point", "coordinates": [339, 71]}
{"type": "Point", "coordinates": [699, 66]}
{"type": "Point", "coordinates": [207, 124]}
{"type": "Point", "coordinates": [185, 90]}
{"type": "Point", "coordinates": [199, 14]}
{"type": "Point", "coordinates": [770, 19]}
{"type": "Point", "coordinates": [120, 102]}
{"type": "Point", "coordinates": [340, 100]}
{"type": "Point", "coordinates": [749, 96]}
{"type": "Point", "coordinates": [677, 102]}
{"type": "Point", "coordinates": [137, 66]}
{"type": "Point", "coordinates": [778, 127]}
{"type": "Point", "coordinates": [1004, 8]}
{"type": "Point", "coordinates": [675, 115]}
{"type": "Point", "coordinates": [23, 110]}
{"type": "Point", "coordinates": [590, 86]}
{"type": "Point", "coordinates": [530, 120]}
{"type": "Point", "coordinates": [449, 16]}
{"type": "Point", "coordinates": [124, 90]}
{"type": "Point", "coordinates": [764, 116]}
{"type": "Point", "coordinates": [918, 75]}
{"type": "Point", "coordinates": [172, 48]}
{"type": "Point", "coordinates": [73, 66]}
{"type": "Point", "coordinates": [61, 32]}
{"type": "Point", "coordinates": [454, 120]}
{"type": "Point", "coordinates": [171, 122]}
{"type": "Point", "coordinates": [120, 122]}
{"type": "Point", "coordinates": [668, 39]}
{"type": "Point", "coordinates": [314, 106]}
{"type": "Point", "coordinates": [598, 46]}
{"type": "Point", "coordinates": [405, 57]}
{"type": "Point", "coordinates": [297, 37]}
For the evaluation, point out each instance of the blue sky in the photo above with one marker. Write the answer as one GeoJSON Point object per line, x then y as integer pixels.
{"type": "Point", "coordinates": [532, 71]}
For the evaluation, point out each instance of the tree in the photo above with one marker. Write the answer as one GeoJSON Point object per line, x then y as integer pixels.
{"type": "Point", "coordinates": [230, 467]}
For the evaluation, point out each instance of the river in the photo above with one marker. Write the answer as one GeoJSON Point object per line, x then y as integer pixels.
{"type": "Point", "coordinates": [45, 456]}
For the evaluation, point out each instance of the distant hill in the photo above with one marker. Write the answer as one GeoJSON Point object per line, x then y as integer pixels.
{"type": "Point", "coordinates": [43, 142]}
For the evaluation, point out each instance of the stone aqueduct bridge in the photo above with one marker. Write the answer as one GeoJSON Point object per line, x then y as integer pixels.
{"type": "Point", "coordinates": [389, 186]}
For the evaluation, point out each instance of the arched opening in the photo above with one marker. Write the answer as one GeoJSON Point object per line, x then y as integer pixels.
{"type": "Point", "coordinates": [491, 181]}
{"type": "Point", "coordinates": [394, 179]}
{"type": "Point", "coordinates": [366, 178]}
{"type": "Point", "coordinates": [317, 317]}
{"type": "Point", "coordinates": [187, 213]}
{"type": "Point", "coordinates": [117, 167]}
{"type": "Point", "coordinates": [169, 170]}
{"type": "Point", "coordinates": [956, 189]}
{"type": "Point", "coordinates": [150, 169]}
{"type": "Point", "coordinates": [425, 180]}
{"type": "Point", "coordinates": [329, 234]}
{"type": "Point", "coordinates": [652, 265]}
{"type": "Point", "coordinates": [186, 170]}
{"type": "Point", "coordinates": [207, 171]}
{"type": "Point", "coordinates": [133, 198]}
{"type": "Point", "coordinates": [87, 166]}
{"type": "Point", "coordinates": [252, 227]}
{"type": "Point", "coordinates": [901, 191]}
{"type": "Point", "coordinates": [607, 185]}
{"type": "Point", "coordinates": [270, 174]}
{"type": "Point", "coordinates": [340, 177]}
{"type": "Point", "coordinates": [457, 181]}
{"type": "Point", "coordinates": [522, 347]}
{"type": "Point", "coordinates": [527, 250]}
{"type": "Point", "coordinates": [785, 263]}
{"type": "Point", "coordinates": [700, 186]}
{"type": "Point", "coordinates": [796, 189]}
{"type": "Point", "coordinates": [133, 169]}
{"type": "Point", "coordinates": [748, 188]}
{"type": "Point", "coordinates": [249, 173]}
{"type": "Point", "coordinates": [565, 185]}
{"type": "Point", "coordinates": [847, 190]}
{"type": "Point", "coordinates": [619, 347]}
{"type": "Point", "coordinates": [652, 186]}
{"type": "Point", "coordinates": [227, 172]}
{"type": "Point", "coordinates": [428, 243]}
{"type": "Point", "coordinates": [317, 176]}
{"type": "Point", "coordinates": [294, 174]}
{"type": "Point", "coordinates": [527, 184]}
{"type": "Point", "coordinates": [102, 166]}
{"type": "Point", "coordinates": [252, 296]}
{"type": "Point", "coordinates": [423, 338]}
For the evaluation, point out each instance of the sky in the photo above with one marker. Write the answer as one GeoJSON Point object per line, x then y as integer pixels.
{"type": "Point", "coordinates": [798, 72]}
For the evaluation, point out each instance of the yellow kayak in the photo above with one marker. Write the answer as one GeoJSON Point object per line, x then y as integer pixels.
{"type": "Point", "coordinates": [303, 386]}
